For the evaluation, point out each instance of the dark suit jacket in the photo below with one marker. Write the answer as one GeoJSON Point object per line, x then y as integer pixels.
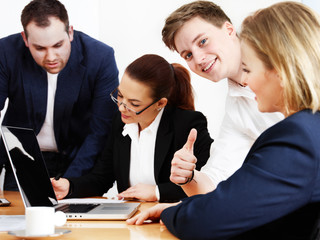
{"type": "Point", "coordinates": [83, 110]}
{"type": "Point", "coordinates": [275, 191]}
{"type": "Point", "coordinates": [172, 134]}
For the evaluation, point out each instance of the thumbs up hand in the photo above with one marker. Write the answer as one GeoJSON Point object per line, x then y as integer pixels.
{"type": "Point", "coordinates": [184, 162]}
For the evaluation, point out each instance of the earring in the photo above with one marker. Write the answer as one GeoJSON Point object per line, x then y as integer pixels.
{"type": "Point", "coordinates": [243, 84]}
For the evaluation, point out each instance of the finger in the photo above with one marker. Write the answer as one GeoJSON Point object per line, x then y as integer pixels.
{"type": "Point", "coordinates": [127, 195]}
{"type": "Point", "coordinates": [178, 179]}
{"type": "Point", "coordinates": [59, 197]}
{"type": "Point", "coordinates": [191, 139]}
{"type": "Point", "coordinates": [128, 190]}
{"type": "Point", "coordinates": [132, 221]}
{"type": "Point", "coordinates": [181, 173]}
{"type": "Point", "coordinates": [117, 197]}
{"type": "Point", "coordinates": [55, 184]}
{"type": "Point", "coordinates": [139, 219]}
{"type": "Point", "coordinates": [183, 161]}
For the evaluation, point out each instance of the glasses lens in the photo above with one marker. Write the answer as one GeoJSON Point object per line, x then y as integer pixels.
{"type": "Point", "coordinates": [114, 97]}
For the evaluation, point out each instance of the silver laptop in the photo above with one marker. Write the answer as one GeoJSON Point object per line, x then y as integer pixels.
{"type": "Point", "coordinates": [35, 186]}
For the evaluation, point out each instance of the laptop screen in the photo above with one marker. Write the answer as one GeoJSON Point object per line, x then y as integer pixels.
{"type": "Point", "coordinates": [28, 166]}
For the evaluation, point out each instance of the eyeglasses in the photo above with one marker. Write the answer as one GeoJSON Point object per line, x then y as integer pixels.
{"type": "Point", "coordinates": [114, 96]}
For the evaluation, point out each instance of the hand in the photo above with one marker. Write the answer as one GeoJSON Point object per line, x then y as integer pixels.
{"type": "Point", "coordinates": [152, 214]}
{"type": "Point", "coordinates": [146, 192]}
{"type": "Point", "coordinates": [60, 187]}
{"type": "Point", "coordinates": [184, 162]}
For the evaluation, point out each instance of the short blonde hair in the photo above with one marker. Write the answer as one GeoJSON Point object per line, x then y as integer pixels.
{"type": "Point", "coordinates": [207, 10]}
{"type": "Point", "coordinates": [286, 37]}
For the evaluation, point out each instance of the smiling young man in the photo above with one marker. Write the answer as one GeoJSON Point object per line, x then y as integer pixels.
{"type": "Point", "coordinates": [204, 36]}
{"type": "Point", "coordinates": [57, 81]}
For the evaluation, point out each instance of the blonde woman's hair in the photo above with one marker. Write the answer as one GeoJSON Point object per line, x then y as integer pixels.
{"type": "Point", "coordinates": [286, 37]}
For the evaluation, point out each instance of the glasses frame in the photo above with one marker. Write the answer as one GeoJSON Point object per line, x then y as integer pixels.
{"type": "Point", "coordinates": [115, 100]}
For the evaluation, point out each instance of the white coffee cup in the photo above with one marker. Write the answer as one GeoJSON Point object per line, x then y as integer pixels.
{"type": "Point", "coordinates": [41, 221]}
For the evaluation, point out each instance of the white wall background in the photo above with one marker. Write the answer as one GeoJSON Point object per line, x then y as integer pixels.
{"type": "Point", "coordinates": [133, 28]}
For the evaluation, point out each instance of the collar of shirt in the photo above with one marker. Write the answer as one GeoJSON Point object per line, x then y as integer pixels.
{"type": "Point", "coordinates": [142, 151]}
{"type": "Point", "coordinates": [132, 129]}
{"type": "Point", "coordinates": [235, 90]}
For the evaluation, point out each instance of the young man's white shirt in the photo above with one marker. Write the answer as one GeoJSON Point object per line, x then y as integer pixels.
{"type": "Point", "coordinates": [241, 126]}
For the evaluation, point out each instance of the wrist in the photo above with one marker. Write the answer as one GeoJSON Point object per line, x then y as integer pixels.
{"type": "Point", "coordinates": [157, 193]}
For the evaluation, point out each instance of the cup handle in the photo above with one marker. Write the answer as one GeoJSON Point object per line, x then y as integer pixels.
{"type": "Point", "coordinates": [59, 218]}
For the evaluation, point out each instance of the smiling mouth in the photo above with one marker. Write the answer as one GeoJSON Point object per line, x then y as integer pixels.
{"type": "Point", "coordinates": [209, 65]}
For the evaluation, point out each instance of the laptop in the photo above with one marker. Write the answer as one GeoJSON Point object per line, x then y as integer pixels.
{"type": "Point", "coordinates": [35, 186]}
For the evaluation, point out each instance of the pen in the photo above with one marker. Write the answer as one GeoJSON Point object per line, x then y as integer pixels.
{"type": "Point", "coordinates": [59, 175]}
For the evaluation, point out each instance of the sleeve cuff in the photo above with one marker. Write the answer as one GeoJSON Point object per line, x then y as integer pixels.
{"type": "Point", "coordinates": [157, 193]}
{"type": "Point", "coordinates": [71, 187]}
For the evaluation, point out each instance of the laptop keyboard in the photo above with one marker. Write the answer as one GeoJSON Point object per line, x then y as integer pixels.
{"type": "Point", "coordinates": [76, 208]}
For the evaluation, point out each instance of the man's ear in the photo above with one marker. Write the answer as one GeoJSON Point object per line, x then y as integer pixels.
{"type": "Point", "coordinates": [230, 28]}
{"type": "Point", "coordinates": [23, 34]}
{"type": "Point", "coordinates": [70, 33]}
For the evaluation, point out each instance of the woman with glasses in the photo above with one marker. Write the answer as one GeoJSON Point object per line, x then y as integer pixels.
{"type": "Point", "coordinates": [156, 114]}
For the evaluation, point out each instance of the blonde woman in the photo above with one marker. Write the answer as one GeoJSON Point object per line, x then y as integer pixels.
{"type": "Point", "coordinates": [276, 192]}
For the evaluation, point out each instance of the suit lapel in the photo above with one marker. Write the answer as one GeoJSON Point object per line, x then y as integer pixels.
{"type": "Point", "coordinates": [163, 141]}
{"type": "Point", "coordinates": [35, 86]}
{"type": "Point", "coordinates": [68, 89]}
{"type": "Point", "coordinates": [124, 144]}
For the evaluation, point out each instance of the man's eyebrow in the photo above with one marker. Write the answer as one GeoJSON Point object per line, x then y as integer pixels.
{"type": "Point", "coordinates": [197, 37]}
{"type": "Point", "coordinates": [243, 63]}
{"type": "Point", "coordinates": [39, 46]}
{"type": "Point", "coordinates": [36, 45]}
{"type": "Point", "coordinates": [193, 41]}
{"type": "Point", "coordinates": [61, 41]}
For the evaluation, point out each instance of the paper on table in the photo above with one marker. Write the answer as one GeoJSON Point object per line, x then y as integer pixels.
{"type": "Point", "coordinates": [12, 222]}
{"type": "Point", "coordinates": [89, 200]}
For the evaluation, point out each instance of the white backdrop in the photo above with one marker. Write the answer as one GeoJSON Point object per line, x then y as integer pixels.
{"type": "Point", "coordinates": [133, 28]}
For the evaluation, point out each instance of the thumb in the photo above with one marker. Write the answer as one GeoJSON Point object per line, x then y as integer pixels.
{"type": "Point", "coordinates": [191, 139]}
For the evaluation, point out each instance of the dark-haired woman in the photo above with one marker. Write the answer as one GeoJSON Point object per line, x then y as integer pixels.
{"type": "Point", "coordinates": [156, 114]}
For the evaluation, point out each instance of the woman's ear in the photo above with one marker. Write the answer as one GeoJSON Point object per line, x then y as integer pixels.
{"type": "Point", "coordinates": [162, 103]}
{"type": "Point", "coordinates": [277, 76]}
{"type": "Point", "coordinates": [280, 79]}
